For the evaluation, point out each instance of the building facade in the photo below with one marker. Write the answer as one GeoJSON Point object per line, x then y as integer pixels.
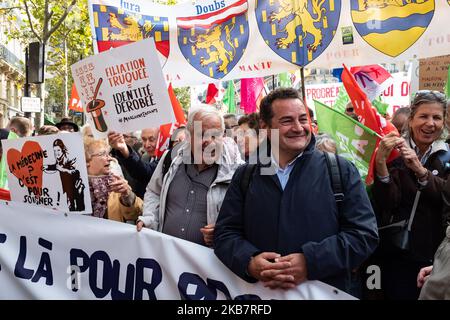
{"type": "Point", "coordinates": [12, 72]}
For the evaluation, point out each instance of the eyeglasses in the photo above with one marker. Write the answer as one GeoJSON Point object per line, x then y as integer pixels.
{"type": "Point", "coordinates": [103, 154]}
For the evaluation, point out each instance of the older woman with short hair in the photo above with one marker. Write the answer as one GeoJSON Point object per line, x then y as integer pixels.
{"type": "Point", "coordinates": [111, 195]}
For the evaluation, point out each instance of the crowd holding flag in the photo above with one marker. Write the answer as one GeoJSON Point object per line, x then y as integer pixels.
{"type": "Point", "coordinates": [367, 115]}
{"type": "Point", "coordinates": [122, 89]}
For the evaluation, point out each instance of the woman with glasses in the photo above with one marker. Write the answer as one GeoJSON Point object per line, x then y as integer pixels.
{"type": "Point", "coordinates": [111, 196]}
{"type": "Point", "coordinates": [407, 192]}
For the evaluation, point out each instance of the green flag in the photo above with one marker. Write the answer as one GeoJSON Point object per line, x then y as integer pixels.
{"type": "Point", "coordinates": [285, 80]}
{"type": "Point", "coordinates": [229, 97]}
{"type": "Point", "coordinates": [447, 86]}
{"type": "Point", "coordinates": [3, 173]}
{"type": "Point", "coordinates": [354, 142]}
{"type": "Point", "coordinates": [380, 105]}
{"type": "Point", "coordinates": [341, 100]}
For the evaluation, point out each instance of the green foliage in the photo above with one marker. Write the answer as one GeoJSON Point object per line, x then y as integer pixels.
{"type": "Point", "coordinates": [78, 39]}
{"type": "Point", "coordinates": [184, 97]}
{"type": "Point", "coordinates": [55, 23]}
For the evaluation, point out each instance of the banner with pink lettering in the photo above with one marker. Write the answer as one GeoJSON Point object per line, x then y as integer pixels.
{"type": "Point", "coordinates": [203, 41]}
{"type": "Point", "coordinates": [327, 93]}
{"type": "Point", "coordinates": [396, 95]}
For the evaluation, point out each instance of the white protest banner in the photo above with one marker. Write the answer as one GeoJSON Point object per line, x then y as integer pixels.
{"type": "Point", "coordinates": [48, 171]}
{"type": "Point", "coordinates": [398, 94]}
{"type": "Point", "coordinates": [207, 40]}
{"type": "Point", "coordinates": [326, 93]}
{"type": "Point", "coordinates": [123, 89]}
{"type": "Point", "coordinates": [53, 256]}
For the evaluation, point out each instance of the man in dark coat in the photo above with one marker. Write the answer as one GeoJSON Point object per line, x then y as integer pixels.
{"type": "Point", "coordinates": [287, 227]}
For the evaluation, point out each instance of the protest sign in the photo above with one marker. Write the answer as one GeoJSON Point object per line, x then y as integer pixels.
{"type": "Point", "coordinates": [53, 256]}
{"type": "Point", "coordinates": [123, 89]}
{"type": "Point", "coordinates": [433, 73]}
{"type": "Point", "coordinates": [327, 93]}
{"type": "Point", "coordinates": [48, 171]}
{"type": "Point", "coordinates": [398, 94]}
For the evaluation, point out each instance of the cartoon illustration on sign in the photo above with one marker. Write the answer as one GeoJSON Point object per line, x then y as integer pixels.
{"type": "Point", "coordinates": [72, 184]}
{"type": "Point", "coordinates": [115, 27]}
{"type": "Point", "coordinates": [391, 26]}
{"type": "Point", "coordinates": [32, 162]}
{"type": "Point", "coordinates": [94, 107]}
{"type": "Point", "coordinates": [298, 30]}
{"type": "Point", "coordinates": [214, 42]}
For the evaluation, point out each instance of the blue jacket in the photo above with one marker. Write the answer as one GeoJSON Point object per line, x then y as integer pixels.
{"type": "Point", "coordinates": [303, 218]}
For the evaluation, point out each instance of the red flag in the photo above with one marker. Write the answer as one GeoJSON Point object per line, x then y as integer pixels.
{"type": "Point", "coordinates": [166, 130]}
{"type": "Point", "coordinates": [5, 194]}
{"type": "Point", "coordinates": [372, 79]}
{"type": "Point", "coordinates": [251, 90]}
{"type": "Point", "coordinates": [211, 93]}
{"type": "Point", "coordinates": [176, 106]}
{"type": "Point", "coordinates": [75, 102]}
{"type": "Point", "coordinates": [368, 115]}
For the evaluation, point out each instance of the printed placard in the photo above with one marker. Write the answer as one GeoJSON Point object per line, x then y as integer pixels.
{"type": "Point", "coordinates": [123, 89]}
{"type": "Point", "coordinates": [48, 171]}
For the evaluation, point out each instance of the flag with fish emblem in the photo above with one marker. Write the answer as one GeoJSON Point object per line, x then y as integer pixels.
{"type": "Point", "coordinates": [391, 26]}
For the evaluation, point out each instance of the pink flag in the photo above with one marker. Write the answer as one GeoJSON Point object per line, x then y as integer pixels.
{"type": "Point", "coordinates": [251, 89]}
{"type": "Point", "coordinates": [372, 79]}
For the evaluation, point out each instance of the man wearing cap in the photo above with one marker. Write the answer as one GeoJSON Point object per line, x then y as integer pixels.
{"type": "Point", "coordinates": [67, 125]}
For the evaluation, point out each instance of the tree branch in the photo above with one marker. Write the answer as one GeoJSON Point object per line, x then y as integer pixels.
{"type": "Point", "coordinates": [45, 25]}
{"type": "Point", "coordinates": [34, 4]}
{"type": "Point", "coordinates": [62, 18]}
{"type": "Point", "coordinates": [31, 22]}
{"type": "Point", "coordinates": [9, 9]}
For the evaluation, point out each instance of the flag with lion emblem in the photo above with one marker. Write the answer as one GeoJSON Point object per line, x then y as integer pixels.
{"type": "Point", "coordinates": [203, 41]}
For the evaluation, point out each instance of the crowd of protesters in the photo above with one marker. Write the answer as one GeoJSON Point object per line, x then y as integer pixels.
{"type": "Point", "coordinates": [259, 191]}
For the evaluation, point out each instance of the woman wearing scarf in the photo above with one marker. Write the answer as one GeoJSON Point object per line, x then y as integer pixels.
{"type": "Point", "coordinates": [111, 195]}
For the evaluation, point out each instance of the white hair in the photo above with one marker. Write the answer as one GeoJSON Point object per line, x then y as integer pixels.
{"type": "Point", "coordinates": [198, 112]}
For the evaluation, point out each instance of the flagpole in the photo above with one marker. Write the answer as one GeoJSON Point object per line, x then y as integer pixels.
{"type": "Point", "coordinates": [302, 79]}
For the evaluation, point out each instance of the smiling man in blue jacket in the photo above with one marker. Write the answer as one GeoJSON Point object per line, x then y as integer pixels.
{"type": "Point", "coordinates": [287, 227]}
